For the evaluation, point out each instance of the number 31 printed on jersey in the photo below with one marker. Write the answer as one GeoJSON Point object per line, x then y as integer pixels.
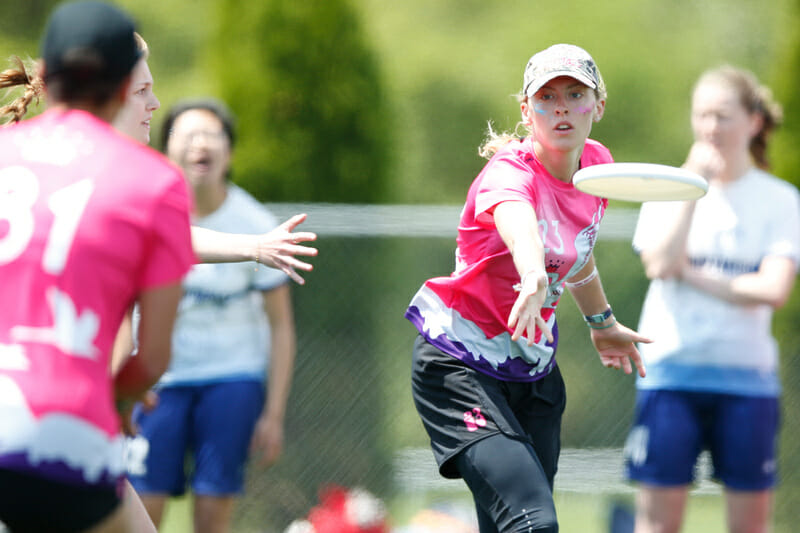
{"type": "Point", "coordinates": [19, 190]}
{"type": "Point", "coordinates": [73, 333]}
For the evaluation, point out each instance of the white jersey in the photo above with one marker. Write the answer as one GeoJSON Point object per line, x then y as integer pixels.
{"type": "Point", "coordinates": [701, 342]}
{"type": "Point", "coordinates": [222, 331]}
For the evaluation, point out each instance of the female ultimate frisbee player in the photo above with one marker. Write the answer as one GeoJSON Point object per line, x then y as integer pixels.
{"type": "Point", "coordinates": [93, 222]}
{"type": "Point", "coordinates": [276, 248]}
{"type": "Point", "coordinates": [719, 267]}
{"type": "Point", "coordinates": [485, 380]}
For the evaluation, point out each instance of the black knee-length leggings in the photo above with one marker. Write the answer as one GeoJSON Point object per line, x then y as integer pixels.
{"type": "Point", "coordinates": [512, 492]}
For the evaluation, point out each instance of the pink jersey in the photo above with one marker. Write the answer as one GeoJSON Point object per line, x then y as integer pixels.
{"type": "Point", "coordinates": [88, 219]}
{"type": "Point", "coordinates": [466, 314]}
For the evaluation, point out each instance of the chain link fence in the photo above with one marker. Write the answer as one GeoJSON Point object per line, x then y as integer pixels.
{"type": "Point", "coordinates": [351, 420]}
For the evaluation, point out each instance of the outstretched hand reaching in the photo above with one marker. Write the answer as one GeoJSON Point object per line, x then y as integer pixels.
{"type": "Point", "coordinates": [617, 348]}
{"type": "Point", "coordinates": [526, 314]}
{"type": "Point", "coordinates": [278, 248]}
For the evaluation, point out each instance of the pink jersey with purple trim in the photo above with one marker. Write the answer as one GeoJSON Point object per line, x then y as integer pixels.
{"type": "Point", "coordinates": [465, 314]}
{"type": "Point", "coordinates": [88, 220]}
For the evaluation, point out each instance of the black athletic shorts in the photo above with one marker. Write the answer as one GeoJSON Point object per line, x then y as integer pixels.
{"type": "Point", "coordinates": [459, 405]}
{"type": "Point", "coordinates": [37, 505]}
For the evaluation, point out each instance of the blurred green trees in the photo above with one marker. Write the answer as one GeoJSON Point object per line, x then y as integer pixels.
{"type": "Point", "coordinates": [785, 75]}
{"type": "Point", "coordinates": [786, 162]}
{"type": "Point", "coordinates": [453, 65]}
{"type": "Point", "coordinates": [25, 17]}
{"type": "Point", "coordinates": [306, 87]}
{"type": "Point", "coordinates": [367, 100]}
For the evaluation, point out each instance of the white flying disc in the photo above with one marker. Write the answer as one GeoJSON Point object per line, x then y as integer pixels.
{"type": "Point", "coordinates": [640, 182]}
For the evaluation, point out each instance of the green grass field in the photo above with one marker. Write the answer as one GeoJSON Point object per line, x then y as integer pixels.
{"type": "Point", "coordinates": [588, 484]}
{"type": "Point", "coordinates": [577, 512]}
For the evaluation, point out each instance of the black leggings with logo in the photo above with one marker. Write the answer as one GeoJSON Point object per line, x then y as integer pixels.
{"type": "Point", "coordinates": [503, 438]}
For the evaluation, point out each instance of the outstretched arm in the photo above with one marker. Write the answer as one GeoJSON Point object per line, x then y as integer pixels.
{"type": "Point", "coordinates": [516, 222]}
{"type": "Point", "coordinates": [276, 249]}
{"type": "Point", "coordinates": [615, 343]}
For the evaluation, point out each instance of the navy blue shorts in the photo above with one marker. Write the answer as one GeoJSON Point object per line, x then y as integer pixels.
{"type": "Point", "coordinates": [671, 428]}
{"type": "Point", "coordinates": [212, 424]}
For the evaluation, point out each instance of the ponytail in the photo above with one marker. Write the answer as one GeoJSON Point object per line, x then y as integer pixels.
{"type": "Point", "coordinates": [494, 140]}
{"type": "Point", "coordinates": [33, 90]}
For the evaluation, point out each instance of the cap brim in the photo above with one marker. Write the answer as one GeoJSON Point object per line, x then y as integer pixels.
{"type": "Point", "coordinates": [586, 80]}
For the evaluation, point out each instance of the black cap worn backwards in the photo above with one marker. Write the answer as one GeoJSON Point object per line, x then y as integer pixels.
{"type": "Point", "coordinates": [90, 39]}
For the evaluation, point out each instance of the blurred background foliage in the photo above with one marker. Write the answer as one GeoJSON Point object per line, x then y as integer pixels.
{"type": "Point", "coordinates": [375, 101]}
{"type": "Point", "coordinates": [369, 101]}
{"type": "Point", "coordinates": [310, 99]}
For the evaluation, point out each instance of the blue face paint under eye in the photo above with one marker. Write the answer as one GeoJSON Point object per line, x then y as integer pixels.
{"type": "Point", "coordinates": [539, 109]}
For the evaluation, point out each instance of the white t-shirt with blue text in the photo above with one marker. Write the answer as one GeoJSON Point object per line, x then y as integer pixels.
{"type": "Point", "coordinates": [222, 332]}
{"type": "Point", "coordinates": [703, 343]}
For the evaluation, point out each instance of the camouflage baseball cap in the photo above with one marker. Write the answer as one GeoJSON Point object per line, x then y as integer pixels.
{"type": "Point", "coordinates": [561, 60]}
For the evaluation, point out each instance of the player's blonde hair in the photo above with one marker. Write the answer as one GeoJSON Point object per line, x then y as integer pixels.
{"type": "Point", "coordinates": [27, 76]}
{"type": "Point", "coordinates": [142, 45]}
{"type": "Point", "coordinates": [495, 140]}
